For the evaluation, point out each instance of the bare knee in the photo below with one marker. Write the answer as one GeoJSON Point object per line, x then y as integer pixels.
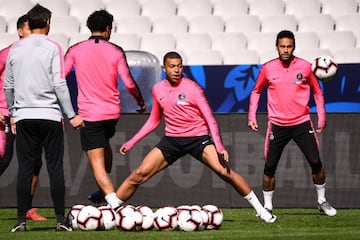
{"type": "Point", "coordinates": [225, 174]}
{"type": "Point", "coordinates": [138, 177]}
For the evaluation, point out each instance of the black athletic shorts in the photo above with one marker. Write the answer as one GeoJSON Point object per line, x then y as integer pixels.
{"type": "Point", "coordinates": [97, 134]}
{"type": "Point", "coordinates": [303, 135]}
{"type": "Point", "coordinates": [174, 148]}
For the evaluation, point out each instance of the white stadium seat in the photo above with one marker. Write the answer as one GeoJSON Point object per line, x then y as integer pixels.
{"type": "Point", "coordinates": [244, 56]}
{"type": "Point", "coordinates": [3, 25]}
{"type": "Point", "coordinates": [166, 25]}
{"type": "Point", "coordinates": [348, 22]}
{"type": "Point", "coordinates": [193, 41]}
{"type": "Point", "coordinates": [68, 25]}
{"type": "Point", "coordinates": [229, 8]}
{"type": "Point", "coordinates": [11, 25]}
{"type": "Point", "coordinates": [337, 40]}
{"type": "Point", "coordinates": [349, 55]}
{"type": "Point", "coordinates": [226, 42]}
{"type": "Point", "coordinates": [83, 8]}
{"type": "Point", "coordinates": [302, 8]}
{"type": "Point", "coordinates": [243, 23]}
{"type": "Point", "coordinates": [157, 42]}
{"type": "Point", "coordinates": [126, 41]}
{"type": "Point", "coordinates": [316, 23]}
{"type": "Point", "coordinates": [277, 23]}
{"type": "Point", "coordinates": [311, 54]}
{"type": "Point", "coordinates": [58, 7]}
{"type": "Point", "coordinates": [7, 38]}
{"type": "Point", "coordinates": [206, 24]}
{"type": "Point", "coordinates": [133, 24]}
{"type": "Point", "coordinates": [204, 57]}
{"type": "Point", "coordinates": [158, 8]}
{"type": "Point", "coordinates": [123, 8]}
{"type": "Point", "coordinates": [268, 55]}
{"type": "Point", "coordinates": [338, 8]}
{"type": "Point", "coordinates": [15, 8]}
{"type": "Point", "coordinates": [263, 8]}
{"type": "Point", "coordinates": [191, 8]}
{"type": "Point", "coordinates": [261, 41]}
{"type": "Point", "coordinates": [306, 40]}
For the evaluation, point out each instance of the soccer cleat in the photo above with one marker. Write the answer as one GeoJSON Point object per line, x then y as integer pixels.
{"type": "Point", "coordinates": [32, 214]}
{"type": "Point", "coordinates": [267, 217]}
{"type": "Point", "coordinates": [326, 208]}
{"type": "Point", "coordinates": [63, 227]}
{"type": "Point", "coordinates": [97, 197]}
{"type": "Point", "coordinates": [19, 227]}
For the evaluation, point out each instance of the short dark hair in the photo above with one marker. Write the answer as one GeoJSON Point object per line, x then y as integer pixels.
{"type": "Point", "coordinates": [99, 21]}
{"type": "Point", "coordinates": [38, 17]}
{"type": "Point", "coordinates": [21, 21]}
{"type": "Point", "coordinates": [285, 34]}
{"type": "Point", "coordinates": [171, 55]}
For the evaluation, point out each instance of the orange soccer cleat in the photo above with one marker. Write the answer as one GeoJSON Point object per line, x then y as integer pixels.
{"type": "Point", "coordinates": [32, 214]}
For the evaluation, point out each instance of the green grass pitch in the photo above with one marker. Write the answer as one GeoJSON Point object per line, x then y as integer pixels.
{"type": "Point", "coordinates": [294, 223]}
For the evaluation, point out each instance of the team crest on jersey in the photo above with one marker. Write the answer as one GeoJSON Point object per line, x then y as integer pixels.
{"type": "Point", "coordinates": [181, 99]}
{"type": "Point", "coordinates": [299, 79]}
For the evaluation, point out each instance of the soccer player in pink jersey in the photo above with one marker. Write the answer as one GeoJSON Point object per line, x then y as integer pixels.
{"type": "Point", "coordinates": [289, 80]}
{"type": "Point", "coordinates": [98, 63]}
{"type": "Point", "coordinates": [7, 137]}
{"type": "Point", "coordinates": [189, 121]}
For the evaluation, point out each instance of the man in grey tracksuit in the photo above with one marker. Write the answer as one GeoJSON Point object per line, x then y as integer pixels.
{"type": "Point", "coordinates": [35, 89]}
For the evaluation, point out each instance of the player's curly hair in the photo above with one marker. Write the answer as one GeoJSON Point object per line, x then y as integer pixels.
{"type": "Point", "coordinates": [99, 20]}
{"type": "Point", "coordinates": [285, 34]}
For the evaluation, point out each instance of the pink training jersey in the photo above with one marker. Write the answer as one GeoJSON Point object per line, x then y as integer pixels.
{"type": "Point", "coordinates": [3, 56]}
{"type": "Point", "coordinates": [288, 93]}
{"type": "Point", "coordinates": [98, 63]}
{"type": "Point", "coordinates": [186, 112]}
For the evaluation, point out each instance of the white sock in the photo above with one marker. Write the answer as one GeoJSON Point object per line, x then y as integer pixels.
{"type": "Point", "coordinates": [254, 201]}
{"type": "Point", "coordinates": [320, 189]}
{"type": "Point", "coordinates": [268, 196]}
{"type": "Point", "coordinates": [113, 200]}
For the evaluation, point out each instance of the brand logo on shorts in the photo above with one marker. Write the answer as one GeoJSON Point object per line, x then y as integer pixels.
{"type": "Point", "coordinates": [205, 142]}
{"type": "Point", "coordinates": [311, 131]}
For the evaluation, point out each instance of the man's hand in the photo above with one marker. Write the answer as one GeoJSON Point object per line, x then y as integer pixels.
{"type": "Point", "coordinates": [253, 126]}
{"type": "Point", "coordinates": [142, 108]}
{"type": "Point", "coordinates": [77, 122]}
{"type": "Point", "coordinates": [123, 150]}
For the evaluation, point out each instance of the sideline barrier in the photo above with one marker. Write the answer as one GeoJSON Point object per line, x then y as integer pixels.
{"type": "Point", "coordinates": [189, 182]}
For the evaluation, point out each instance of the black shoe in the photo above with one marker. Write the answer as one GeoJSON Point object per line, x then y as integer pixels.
{"type": "Point", "coordinates": [19, 227]}
{"type": "Point", "coordinates": [97, 197]}
{"type": "Point", "coordinates": [60, 227]}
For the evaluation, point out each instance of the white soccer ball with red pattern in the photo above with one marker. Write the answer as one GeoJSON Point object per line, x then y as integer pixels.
{"type": "Point", "coordinates": [324, 68]}
{"type": "Point", "coordinates": [216, 216]}
{"type": "Point", "coordinates": [165, 219]}
{"type": "Point", "coordinates": [129, 219]}
{"type": "Point", "coordinates": [148, 217]}
{"type": "Point", "coordinates": [89, 218]}
{"type": "Point", "coordinates": [205, 216]}
{"type": "Point", "coordinates": [190, 220]}
{"type": "Point", "coordinates": [108, 216]}
{"type": "Point", "coordinates": [71, 217]}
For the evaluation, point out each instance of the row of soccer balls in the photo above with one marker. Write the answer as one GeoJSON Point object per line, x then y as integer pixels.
{"type": "Point", "coordinates": [131, 218]}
